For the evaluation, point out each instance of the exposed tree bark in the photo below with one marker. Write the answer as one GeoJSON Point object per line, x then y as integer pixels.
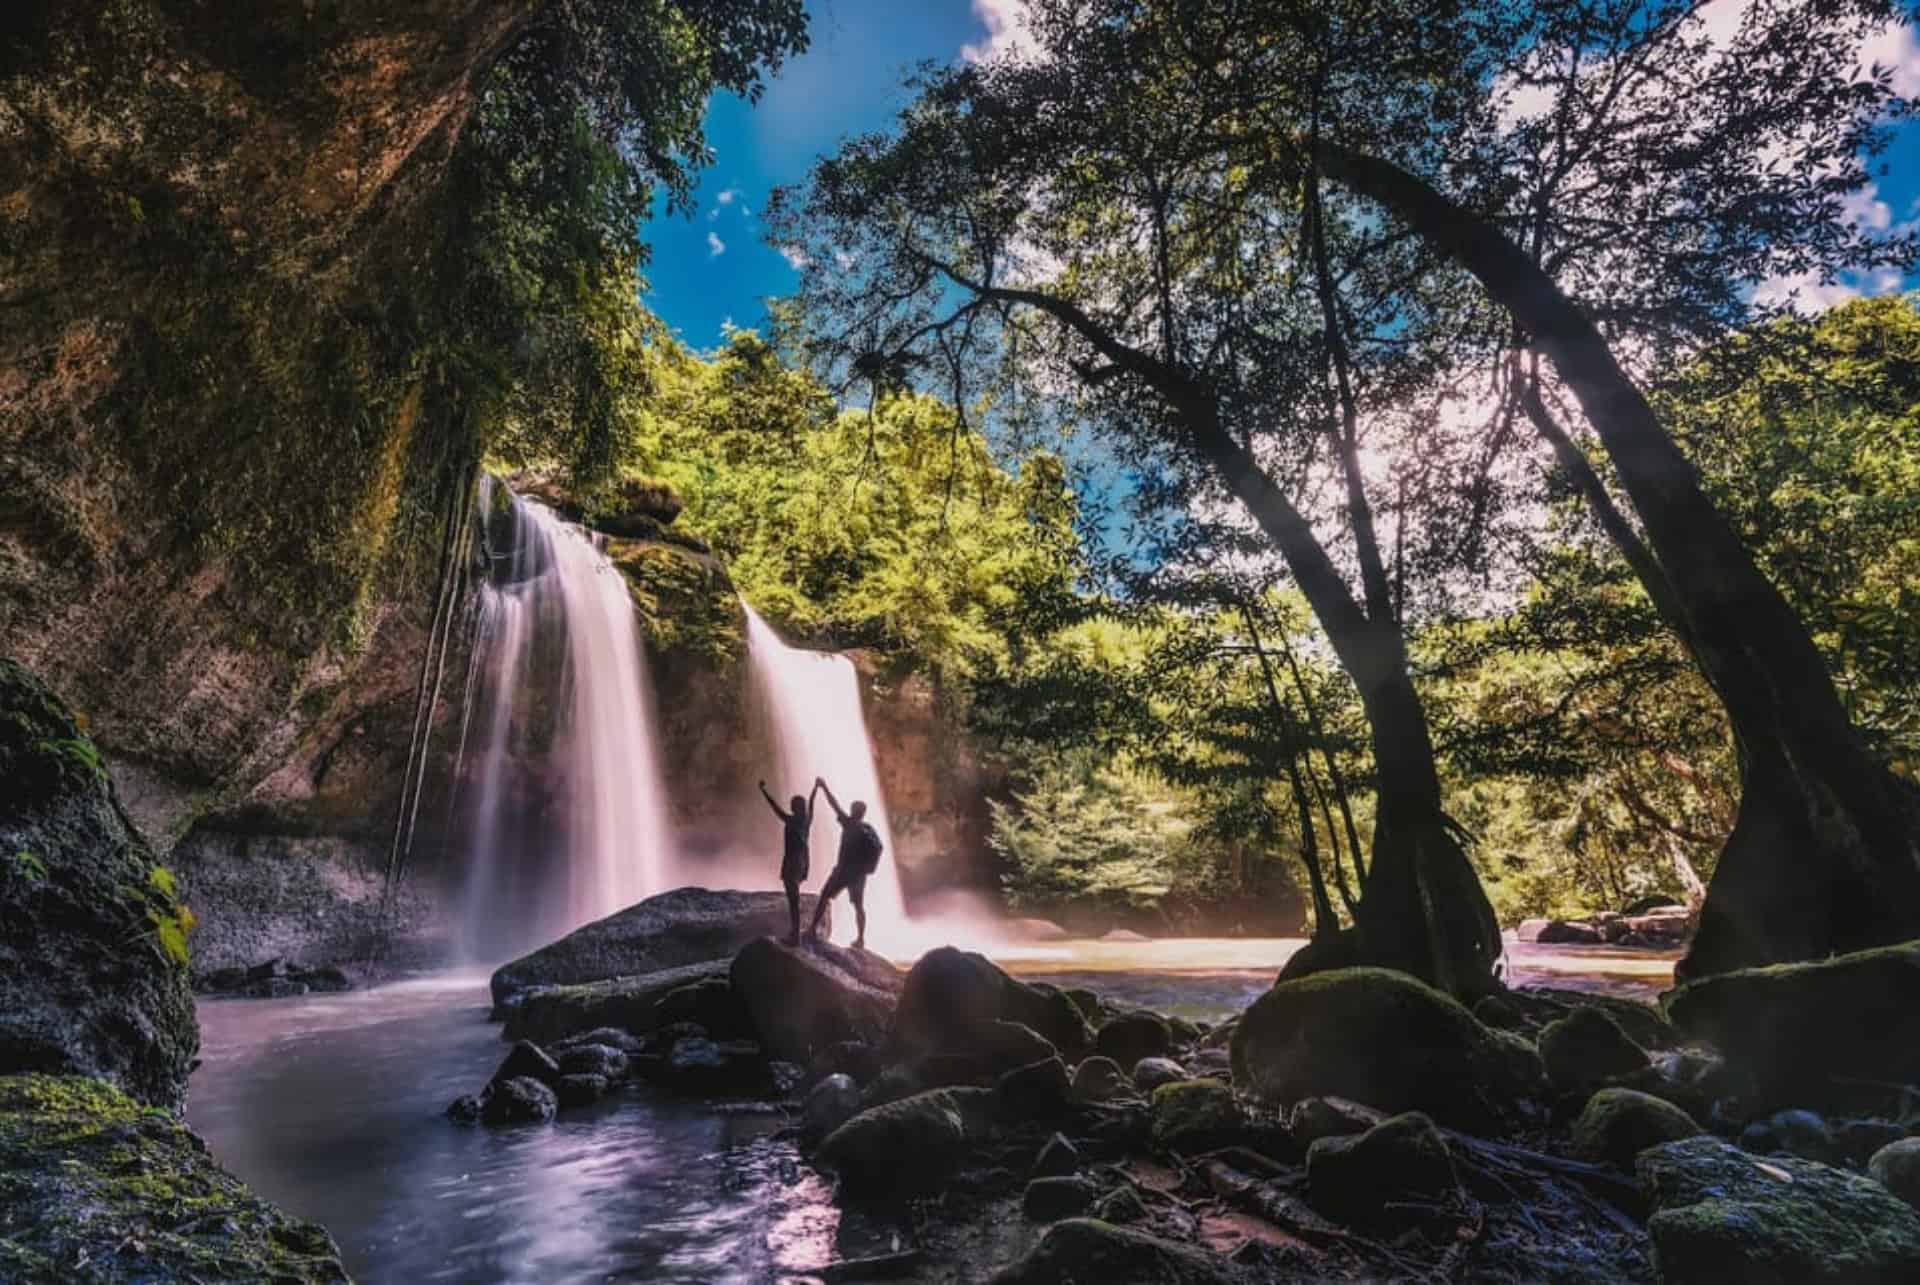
{"type": "Point", "coordinates": [1825, 853]}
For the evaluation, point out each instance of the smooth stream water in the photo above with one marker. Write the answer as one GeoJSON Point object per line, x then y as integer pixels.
{"type": "Point", "coordinates": [332, 1107]}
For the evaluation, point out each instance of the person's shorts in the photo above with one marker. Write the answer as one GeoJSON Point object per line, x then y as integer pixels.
{"type": "Point", "coordinates": [852, 882]}
{"type": "Point", "coordinates": [793, 869]}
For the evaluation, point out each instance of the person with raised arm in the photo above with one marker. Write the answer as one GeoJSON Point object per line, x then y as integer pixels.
{"type": "Point", "coordinates": [859, 857]}
{"type": "Point", "coordinates": [797, 824]}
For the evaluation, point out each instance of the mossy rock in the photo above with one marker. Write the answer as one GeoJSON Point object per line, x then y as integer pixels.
{"type": "Point", "coordinates": [1353, 1177]}
{"type": "Point", "coordinates": [1587, 1048]}
{"type": "Point", "coordinates": [1896, 1167]}
{"type": "Point", "coordinates": [914, 1142]}
{"type": "Point", "coordinates": [1195, 1115]}
{"type": "Point", "coordinates": [1386, 1040]}
{"type": "Point", "coordinates": [1793, 1028]}
{"type": "Point", "coordinates": [950, 996]}
{"type": "Point", "coordinates": [631, 1004]}
{"type": "Point", "coordinates": [1721, 1215]}
{"type": "Point", "coordinates": [98, 1188]}
{"type": "Point", "coordinates": [1618, 1124]}
{"type": "Point", "coordinates": [93, 942]}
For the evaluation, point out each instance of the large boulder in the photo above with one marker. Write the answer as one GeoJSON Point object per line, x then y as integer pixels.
{"type": "Point", "coordinates": [100, 1188]}
{"type": "Point", "coordinates": [1896, 1167]}
{"type": "Point", "coordinates": [671, 930]}
{"type": "Point", "coordinates": [916, 1141]}
{"type": "Point", "coordinates": [93, 943]}
{"type": "Point", "coordinates": [830, 1104]}
{"type": "Point", "coordinates": [1352, 1178]}
{"type": "Point", "coordinates": [631, 1004]}
{"type": "Point", "coordinates": [1132, 1036]}
{"type": "Point", "coordinates": [1795, 1027]}
{"type": "Point", "coordinates": [1587, 1048]}
{"type": "Point", "coordinates": [804, 999]}
{"type": "Point", "coordinates": [1723, 1215]}
{"type": "Point", "coordinates": [520, 1100]}
{"type": "Point", "coordinates": [1384, 1039]}
{"type": "Point", "coordinates": [1195, 1115]}
{"type": "Point", "coordinates": [950, 995]}
{"type": "Point", "coordinates": [1081, 1250]}
{"type": "Point", "coordinates": [1618, 1124]}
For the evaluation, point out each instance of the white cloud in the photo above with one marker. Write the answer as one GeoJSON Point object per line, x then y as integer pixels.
{"type": "Point", "coordinates": [729, 196]}
{"type": "Point", "coordinates": [1897, 47]}
{"type": "Point", "coordinates": [1867, 209]}
{"type": "Point", "coordinates": [796, 258]}
{"type": "Point", "coordinates": [1007, 31]}
{"type": "Point", "coordinates": [715, 246]}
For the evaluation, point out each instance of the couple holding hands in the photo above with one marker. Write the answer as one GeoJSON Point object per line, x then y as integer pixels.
{"type": "Point", "coordinates": [859, 857]}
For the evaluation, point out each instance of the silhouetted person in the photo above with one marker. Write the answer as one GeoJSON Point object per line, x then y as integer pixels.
{"type": "Point", "coordinates": [859, 857]}
{"type": "Point", "coordinates": [797, 823]}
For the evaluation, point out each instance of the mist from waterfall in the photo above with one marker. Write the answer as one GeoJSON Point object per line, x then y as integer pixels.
{"type": "Point", "coordinates": [812, 701]}
{"type": "Point", "coordinates": [554, 595]}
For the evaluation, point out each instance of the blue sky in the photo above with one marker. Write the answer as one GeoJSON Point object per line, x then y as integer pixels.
{"type": "Point", "coordinates": [716, 267]}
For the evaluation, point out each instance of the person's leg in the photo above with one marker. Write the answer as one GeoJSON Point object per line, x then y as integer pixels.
{"type": "Point", "coordinates": [857, 894]}
{"type": "Point", "coordinates": [793, 911]}
{"type": "Point", "coordinates": [828, 892]}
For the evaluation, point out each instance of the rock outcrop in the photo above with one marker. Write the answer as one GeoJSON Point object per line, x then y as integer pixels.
{"type": "Point", "coordinates": [950, 996]}
{"type": "Point", "coordinates": [101, 1189]}
{"type": "Point", "coordinates": [633, 1004]}
{"type": "Point", "coordinates": [803, 1000]}
{"type": "Point", "coordinates": [93, 942]}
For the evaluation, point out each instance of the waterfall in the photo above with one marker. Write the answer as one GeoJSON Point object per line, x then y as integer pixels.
{"type": "Point", "coordinates": [812, 699]}
{"type": "Point", "coordinates": [531, 879]}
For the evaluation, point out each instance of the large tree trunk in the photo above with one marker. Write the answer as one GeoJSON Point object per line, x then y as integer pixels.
{"type": "Point", "coordinates": [1825, 855]}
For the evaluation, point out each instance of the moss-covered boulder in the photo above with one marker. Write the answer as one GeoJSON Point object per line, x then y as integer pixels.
{"type": "Point", "coordinates": [1587, 1048]}
{"type": "Point", "coordinates": [95, 1187]}
{"type": "Point", "coordinates": [914, 1142]}
{"type": "Point", "coordinates": [807, 998]}
{"type": "Point", "coordinates": [950, 995]}
{"type": "Point", "coordinates": [1384, 1039]}
{"type": "Point", "coordinates": [1404, 1158]}
{"type": "Point", "coordinates": [93, 943]}
{"type": "Point", "coordinates": [1793, 1028]}
{"type": "Point", "coordinates": [1081, 1250]}
{"type": "Point", "coordinates": [1195, 1115]}
{"type": "Point", "coordinates": [1896, 1167]}
{"type": "Point", "coordinates": [1722, 1215]}
{"type": "Point", "coordinates": [1618, 1124]}
{"type": "Point", "coordinates": [631, 1004]}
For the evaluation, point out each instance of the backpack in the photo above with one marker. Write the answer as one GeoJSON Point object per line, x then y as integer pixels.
{"type": "Point", "coordinates": [867, 846]}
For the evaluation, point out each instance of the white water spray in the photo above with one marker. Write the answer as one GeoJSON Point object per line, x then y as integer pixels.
{"type": "Point", "coordinates": [813, 701]}
{"type": "Point", "coordinates": [612, 849]}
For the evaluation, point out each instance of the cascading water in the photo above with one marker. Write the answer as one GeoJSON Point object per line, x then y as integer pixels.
{"type": "Point", "coordinates": [812, 699]}
{"type": "Point", "coordinates": [528, 883]}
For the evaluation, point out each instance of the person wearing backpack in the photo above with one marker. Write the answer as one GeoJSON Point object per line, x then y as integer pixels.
{"type": "Point", "coordinates": [859, 857]}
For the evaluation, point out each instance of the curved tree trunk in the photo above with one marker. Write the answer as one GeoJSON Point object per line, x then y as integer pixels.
{"type": "Point", "coordinates": [1825, 854]}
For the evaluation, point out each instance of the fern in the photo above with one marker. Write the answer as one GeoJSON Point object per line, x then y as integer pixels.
{"type": "Point", "coordinates": [31, 867]}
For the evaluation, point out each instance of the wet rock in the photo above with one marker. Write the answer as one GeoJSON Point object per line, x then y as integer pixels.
{"type": "Point", "coordinates": [949, 995]}
{"type": "Point", "coordinates": [610, 1036]}
{"type": "Point", "coordinates": [1057, 1157]}
{"type": "Point", "coordinates": [892, 1084]}
{"type": "Point", "coordinates": [101, 1188]}
{"type": "Point", "coordinates": [550, 1014]}
{"type": "Point", "coordinates": [1099, 1079]}
{"type": "Point", "coordinates": [1038, 1091]}
{"type": "Point", "coordinates": [466, 1108]}
{"type": "Point", "coordinates": [1216, 1063]}
{"type": "Point", "coordinates": [1792, 1028]}
{"type": "Point", "coordinates": [1121, 1205]}
{"type": "Point", "coordinates": [718, 1068]}
{"type": "Point", "coordinates": [1587, 1048]}
{"type": "Point", "coordinates": [1618, 1124]}
{"type": "Point", "coordinates": [1082, 1250]}
{"type": "Point", "coordinates": [1644, 1024]}
{"type": "Point", "coordinates": [1315, 1118]}
{"type": "Point", "coordinates": [830, 1104]}
{"type": "Point", "coordinates": [1500, 1012]}
{"type": "Point", "coordinates": [1149, 1073]}
{"type": "Point", "coordinates": [711, 1003]}
{"type": "Point", "coordinates": [849, 1057]}
{"type": "Point", "coordinates": [914, 1142]}
{"type": "Point", "coordinates": [1562, 932]}
{"type": "Point", "coordinates": [1858, 1141]}
{"type": "Point", "coordinates": [1387, 1040]}
{"type": "Point", "coordinates": [93, 946]}
{"type": "Point", "coordinates": [1403, 1158]}
{"type": "Point", "coordinates": [610, 1064]}
{"type": "Point", "coordinates": [1896, 1167]}
{"type": "Point", "coordinates": [1723, 1215]}
{"type": "Point", "coordinates": [668, 931]}
{"type": "Point", "coordinates": [580, 1089]}
{"type": "Point", "coordinates": [529, 1060]}
{"type": "Point", "coordinates": [1132, 1036]}
{"type": "Point", "coordinates": [1195, 1115]}
{"type": "Point", "coordinates": [801, 999]}
{"type": "Point", "coordinates": [520, 1100]}
{"type": "Point", "coordinates": [787, 1077]}
{"type": "Point", "coordinates": [1795, 1131]}
{"type": "Point", "coordinates": [1050, 1199]}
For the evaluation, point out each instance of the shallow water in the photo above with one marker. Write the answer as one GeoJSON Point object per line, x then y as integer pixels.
{"type": "Point", "coordinates": [332, 1106]}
